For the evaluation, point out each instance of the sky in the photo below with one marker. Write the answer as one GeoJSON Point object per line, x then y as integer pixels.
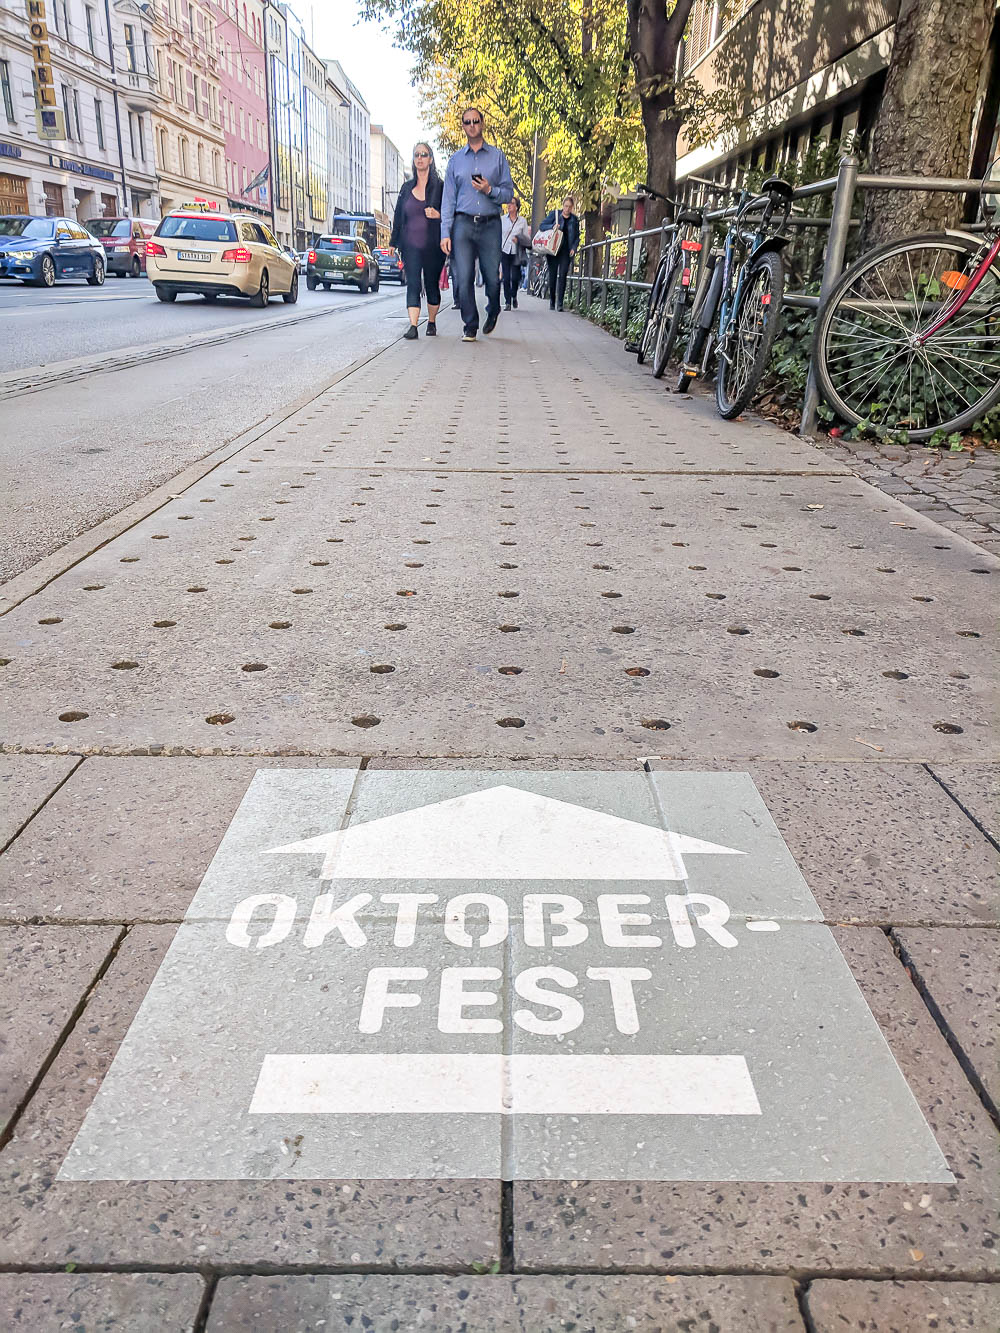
{"type": "Point", "coordinates": [373, 64]}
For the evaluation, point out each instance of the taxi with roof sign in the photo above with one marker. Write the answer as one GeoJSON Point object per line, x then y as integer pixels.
{"type": "Point", "coordinates": [199, 249]}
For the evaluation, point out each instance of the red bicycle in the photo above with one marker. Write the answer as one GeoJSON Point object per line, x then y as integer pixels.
{"type": "Point", "coordinates": [909, 339]}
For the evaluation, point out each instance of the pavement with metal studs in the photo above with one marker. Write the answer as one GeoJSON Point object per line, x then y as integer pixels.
{"type": "Point", "coordinates": [566, 618]}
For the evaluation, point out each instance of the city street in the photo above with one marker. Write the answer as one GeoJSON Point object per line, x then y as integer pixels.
{"type": "Point", "coordinates": [118, 393]}
{"type": "Point", "coordinates": [495, 848]}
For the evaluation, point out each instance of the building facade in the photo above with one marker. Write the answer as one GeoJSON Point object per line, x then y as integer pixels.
{"type": "Point", "coordinates": [358, 144]}
{"type": "Point", "coordinates": [104, 85]}
{"type": "Point", "coordinates": [388, 171]}
{"type": "Point", "coordinates": [239, 28]}
{"type": "Point", "coordinates": [316, 145]}
{"type": "Point", "coordinates": [187, 121]}
{"type": "Point", "coordinates": [801, 74]}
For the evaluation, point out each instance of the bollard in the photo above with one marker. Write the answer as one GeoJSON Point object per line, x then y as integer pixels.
{"type": "Point", "coordinates": [605, 274]}
{"type": "Point", "coordinates": [833, 266]}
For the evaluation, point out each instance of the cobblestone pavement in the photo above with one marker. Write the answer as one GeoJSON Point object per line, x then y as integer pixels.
{"type": "Point", "coordinates": [961, 491]}
{"type": "Point", "coordinates": [514, 578]}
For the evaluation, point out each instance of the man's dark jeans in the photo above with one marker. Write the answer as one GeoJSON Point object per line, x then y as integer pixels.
{"type": "Point", "coordinates": [511, 277]}
{"type": "Point", "coordinates": [470, 241]}
{"type": "Point", "coordinates": [558, 271]}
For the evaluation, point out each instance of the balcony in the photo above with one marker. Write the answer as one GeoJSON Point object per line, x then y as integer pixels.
{"type": "Point", "coordinates": [141, 91]}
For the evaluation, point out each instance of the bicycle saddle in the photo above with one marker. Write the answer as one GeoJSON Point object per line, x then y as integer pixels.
{"type": "Point", "coordinates": [775, 185]}
{"type": "Point", "coordinates": [689, 217]}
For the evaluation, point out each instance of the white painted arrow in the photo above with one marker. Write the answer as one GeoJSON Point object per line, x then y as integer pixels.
{"type": "Point", "coordinates": [504, 833]}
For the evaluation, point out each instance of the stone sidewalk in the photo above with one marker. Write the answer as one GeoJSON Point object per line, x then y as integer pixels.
{"type": "Point", "coordinates": [519, 557]}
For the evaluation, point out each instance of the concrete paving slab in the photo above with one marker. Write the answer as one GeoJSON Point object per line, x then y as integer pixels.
{"type": "Point", "coordinates": [903, 1307]}
{"type": "Point", "coordinates": [559, 402]}
{"type": "Point", "coordinates": [902, 1230]}
{"type": "Point", "coordinates": [959, 973]}
{"type": "Point", "coordinates": [100, 1302]}
{"type": "Point", "coordinates": [124, 840]}
{"type": "Point", "coordinates": [47, 1222]}
{"type": "Point", "coordinates": [274, 652]}
{"type": "Point", "coordinates": [505, 1304]}
{"type": "Point", "coordinates": [435, 894]}
{"type": "Point", "coordinates": [44, 974]}
{"type": "Point", "coordinates": [879, 842]}
{"type": "Point", "coordinates": [976, 787]}
{"type": "Point", "coordinates": [26, 782]}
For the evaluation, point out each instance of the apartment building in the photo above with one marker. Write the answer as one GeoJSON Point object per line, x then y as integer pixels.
{"type": "Point", "coordinates": [799, 74]}
{"type": "Point", "coordinates": [104, 85]}
{"type": "Point", "coordinates": [338, 110]}
{"type": "Point", "coordinates": [239, 29]}
{"type": "Point", "coordinates": [358, 144]}
{"type": "Point", "coordinates": [316, 145]}
{"type": "Point", "coordinates": [187, 121]}
{"type": "Point", "coordinates": [388, 171]}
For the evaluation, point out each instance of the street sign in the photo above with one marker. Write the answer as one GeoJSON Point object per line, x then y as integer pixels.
{"type": "Point", "coordinates": [465, 974]}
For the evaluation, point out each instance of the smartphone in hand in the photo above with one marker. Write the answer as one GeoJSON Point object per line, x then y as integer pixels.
{"type": "Point", "coordinates": [477, 176]}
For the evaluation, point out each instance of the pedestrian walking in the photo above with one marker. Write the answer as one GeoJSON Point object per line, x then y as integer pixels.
{"type": "Point", "coordinates": [416, 231]}
{"type": "Point", "coordinates": [569, 224]}
{"type": "Point", "coordinates": [515, 238]}
{"type": "Point", "coordinates": [477, 184]}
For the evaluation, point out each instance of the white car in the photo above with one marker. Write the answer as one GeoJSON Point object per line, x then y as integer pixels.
{"type": "Point", "coordinates": [219, 254]}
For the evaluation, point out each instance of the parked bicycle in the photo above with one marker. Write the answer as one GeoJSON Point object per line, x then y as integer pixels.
{"type": "Point", "coordinates": [670, 292]}
{"type": "Point", "coordinates": [909, 339]}
{"type": "Point", "coordinates": [738, 305]}
{"type": "Point", "coordinates": [538, 280]}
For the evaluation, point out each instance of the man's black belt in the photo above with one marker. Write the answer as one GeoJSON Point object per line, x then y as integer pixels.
{"type": "Point", "coordinates": [480, 217]}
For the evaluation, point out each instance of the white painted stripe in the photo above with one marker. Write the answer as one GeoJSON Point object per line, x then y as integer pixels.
{"type": "Point", "coordinates": [509, 1085]}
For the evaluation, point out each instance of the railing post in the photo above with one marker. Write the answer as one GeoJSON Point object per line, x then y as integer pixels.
{"type": "Point", "coordinates": [626, 290]}
{"type": "Point", "coordinates": [590, 277]}
{"type": "Point", "coordinates": [605, 274]}
{"type": "Point", "coordinates": [833, 266]}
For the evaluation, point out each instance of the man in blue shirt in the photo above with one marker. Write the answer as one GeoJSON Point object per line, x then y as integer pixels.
{"type": "Point", "coordinates": [476, 186]}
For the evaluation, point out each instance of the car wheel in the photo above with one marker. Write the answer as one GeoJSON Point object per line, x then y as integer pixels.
{"type": "Point", "coordinates": [375, 285]}
{"type": "Point", "coordinates": [210, 296]}
{"type": "Point", "coordinates": [46, 273]}
{"type": "Point", "coordinates": [96, 278]}
{"type": "Point", "coordinates": [163, 295]}
{"type": "Point", "coordinates": [364, 286]}
{"type": "Point", "coordinates": [311, 282]}
{"type": "Point", "coordinates": [135, 271]}
{"type": "Point", "coordinates": [326, 286]}
{"type": "Point", "coordinates": [292, 295]}
{"type": "Point", "coordinates": [262, 295]}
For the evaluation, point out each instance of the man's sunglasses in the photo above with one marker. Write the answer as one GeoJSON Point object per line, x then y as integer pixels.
{"type": "Point", "coordinates": [476, 120]}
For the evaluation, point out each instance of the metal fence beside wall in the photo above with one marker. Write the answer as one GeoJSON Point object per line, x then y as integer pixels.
{"type": "Point", "coordinates": [589, 270]}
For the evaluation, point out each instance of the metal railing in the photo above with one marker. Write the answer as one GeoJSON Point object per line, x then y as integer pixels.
{"type": "Point", "coordinates": [843, 188]}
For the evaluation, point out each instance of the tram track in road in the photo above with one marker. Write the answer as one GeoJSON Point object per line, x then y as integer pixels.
{"type": "Point", "coordinates": [36, 379]}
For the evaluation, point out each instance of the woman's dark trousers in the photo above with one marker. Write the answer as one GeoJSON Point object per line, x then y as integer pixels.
{"type": "Point", "coordinates": [558, 269]}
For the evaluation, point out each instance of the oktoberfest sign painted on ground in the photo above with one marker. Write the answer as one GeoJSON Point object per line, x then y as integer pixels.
{"type": "Point", "coordinates": [569, 975]}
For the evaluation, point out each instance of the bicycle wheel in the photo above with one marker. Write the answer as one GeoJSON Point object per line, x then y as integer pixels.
{"type": "Point", "coordinates": [670, 320]}
{"type": "Point", "coordinates": [745, 350]}
{"type": "Point", "coordinates": [868, 364]}
{"type": "Point", "coordinates": [652, 327]}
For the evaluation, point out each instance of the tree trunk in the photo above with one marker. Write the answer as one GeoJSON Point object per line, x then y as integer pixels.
{"type": "Point", "coordinates": [924, 125]}
{"type": "Point", "coordinates": [661, 170]}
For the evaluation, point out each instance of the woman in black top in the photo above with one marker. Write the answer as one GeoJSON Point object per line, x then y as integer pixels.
{"type": "Point", "coordinates": [416, 231]}
{"type": "Point", "coordinates": [569, 224]}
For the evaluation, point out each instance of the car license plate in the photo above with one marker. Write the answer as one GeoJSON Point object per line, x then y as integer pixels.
{"type": "Point", "coordinates": [194, 254]}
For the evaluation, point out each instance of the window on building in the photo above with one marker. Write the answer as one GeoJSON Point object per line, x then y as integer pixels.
{"type": "Point", "coordinates": [99, 122]}
{"type": "Point", "coordinates": [184, 157]}
{"type": "Point", "coordinates": [163, 146]}
{"type": "Point", "coordinates": [140, 131]}
{"type": "Point", "coordinates": [147, 51]}
{"type": "Point", "coordinates": [217, 168]}
{"type": "Point", "coordinates": [76, 116]}
{"type": "Point", "coordinates": [8, 96]}
{"type": "Point", "coordinates": [190, 22]}
{"type": "Point", "coordinates": [130, 49]}
{"type": "Point", "coordinates": [201, 162]}
{"type": "Point", "coordinates": [88, 11]}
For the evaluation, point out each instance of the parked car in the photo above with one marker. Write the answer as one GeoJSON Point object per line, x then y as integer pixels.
{"type": "Point", "coordinates": [217, 254]}
{"type": "Point", "coordinates": [390, 265]}
{"type": "Point", "coordinates": [124, 241]}
{"type": "Point", "coordinates": [41, 251]}
{"type": "Point", "coordinates": [339, 260]}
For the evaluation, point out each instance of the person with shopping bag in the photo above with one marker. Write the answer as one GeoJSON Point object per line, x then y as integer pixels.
{"type": "Point", "coordinates": [515, 238]}
{"type": "Point", "coordinates": [559, 248]}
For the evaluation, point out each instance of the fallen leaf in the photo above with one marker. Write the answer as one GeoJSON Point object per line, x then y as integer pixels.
{"type": "Point", "coordinates": [916, 1255]}
{"type": "Point", "coordinates": [880, 748]}
{"type": "Point", "coordinates": [814, 506]}
{"type": "Point", "coordinates": [562, 669]}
